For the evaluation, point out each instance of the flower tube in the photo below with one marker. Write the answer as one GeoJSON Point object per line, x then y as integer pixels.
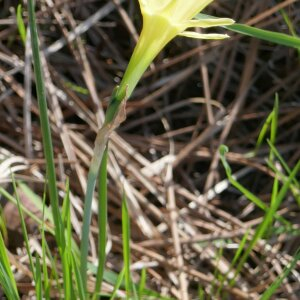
{"type": "Point", "coordinates": [163, 20]}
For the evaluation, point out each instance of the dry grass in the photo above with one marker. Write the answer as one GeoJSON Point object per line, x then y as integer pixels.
{"type": "Point", "coordinates": [187, 221]}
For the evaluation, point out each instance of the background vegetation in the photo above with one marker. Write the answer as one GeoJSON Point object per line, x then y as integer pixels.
{"type": "Point", "coordinates": [205, 224]}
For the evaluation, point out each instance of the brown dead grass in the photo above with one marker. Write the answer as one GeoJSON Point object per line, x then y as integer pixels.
{"type": "Point", "coordinates": [196, 96]}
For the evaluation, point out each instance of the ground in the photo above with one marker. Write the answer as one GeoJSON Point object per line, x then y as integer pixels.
{"type": "Point", "coordinates": [187, 220]}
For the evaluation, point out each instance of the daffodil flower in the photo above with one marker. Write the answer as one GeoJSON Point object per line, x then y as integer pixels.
{"type": "Point", "coordinates": [162, 21]}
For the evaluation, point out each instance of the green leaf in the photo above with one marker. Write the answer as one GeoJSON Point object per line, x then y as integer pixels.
{"type": "Point", "coordinates": [262, 34]}
{"type": "Point", "coordinates": [266, 35]}
{"type": "Point", "coordinates": [126, 245]}
{"type": "Point", "coordinates": [275, 285]}
{"type": "Point", "coordinates": [118, 284]}
{"type": "Point", "coordinates": [36, 200]}
{"type": "Point", "coordinates": [25, 234]}
{"type": "Point", "coordinates": [257, 201]}
{"type": "Point", "coordinates": [102, 221]}
{"type": "Point", "coordinates": [7, 280]}
{"type": "Point", "coordinates": [38, 278]}
{"type": "Point", "coordinates": [45, 126]}
{"type": "Point", "coordinates": [78, 279]}
{"type": "Point", "coordinates": [20, 24]}
{"type": "Point", "coordinates": [44, 256]}
{"type": "Point", "coordinates": [142, 283]}
{"type": "Point", "coordinates": [271, 124]}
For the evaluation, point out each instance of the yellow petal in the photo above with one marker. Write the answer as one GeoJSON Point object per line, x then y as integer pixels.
{"type": "Point", "coordinates": [208, 36]}
{"type": "Point", "coordinates": [154, 6]}
{"type": "Point", "coordinates": [186, 9]}
{"type": "Point", "coordinates": [205, 23]}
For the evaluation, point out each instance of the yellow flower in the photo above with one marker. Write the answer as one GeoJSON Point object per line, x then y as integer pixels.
{"type": "Point", "coordinates": [162, 21]}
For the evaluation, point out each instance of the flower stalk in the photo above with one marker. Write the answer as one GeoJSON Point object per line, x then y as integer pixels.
{"type": "Point", "coordinates": [163, 20]}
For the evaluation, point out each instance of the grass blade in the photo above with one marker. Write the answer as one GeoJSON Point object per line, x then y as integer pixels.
{"type": "Point", "coordinates": [20, 24]}
{"type": "Point", "coordinates": [54, 273]}
{"type": "Point", "coordinates": [201, 293]}
{"type": "Point", "coordinates": [118, 284]}
{"type": "Point", "coordinates": [264, 131]}
{"type": "Point", "coordinates": [258, 202]}
{"type": "Point", "coordinates": [142, 284]}
{"type": "Point", "coordinates": [102, 221]}
{"type": "Point", "coordinates": [38, 279]}
{"type": "Point", "coordinates": [260, 231]}
{"type": "Point", "coordinates": [126, 245]}
{"type": "Point", "coordinates": [7, 280]}
{"type": "Point", "coordinates": [295, 186]}
{"type": "Point", "coordinates": [3, 228]}
{"type": "Point", "coordinates": [44, 256]}
{"type": "Point", "coordinates": [24, 232]}
{"type": "Point", "coordinates": [67, 275]}
{"type": "Point", "coordinates": [272, 124]}
{"type": "Point", "coordinates": [11, 199]}
{"type": "Point", "coordinates": [67, 251]}
{"type": "Point", "coordinates": [78, 279]}
{"type": "Point", "coordinates": [275, 285]}
{"type": "Point", "coordinates": [45, 127]}
{"type": "Point", "coordinates": [276, 200]}
{"type": "Point", "coordinates": [235, 259]}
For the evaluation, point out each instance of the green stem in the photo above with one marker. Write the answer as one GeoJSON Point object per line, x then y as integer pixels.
{"type": "Point", "coordinates": [84, 246]}
{"type": "Point", "coordinates": [99, 151]}
{"type": "Point", "coordinates": [142, 56]}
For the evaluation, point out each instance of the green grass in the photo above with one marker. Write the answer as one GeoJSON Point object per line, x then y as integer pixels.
{"type": "Point", "coordinates": [102, 221]}
{"type": "Point", "coordinates": [290, 25]}
{"type": "Point", "coordinates": [270, 291]}
{"type": "Point", "coordinates": [118, 284]}
{"type": "Point", "coordinates": [248, 194]}
{"type": "Point", "coordinates": [47, 286]}
{"type": "Point", "coordinates": [288, 183]}
{"type": "Point", "coordinates": [277, 196]}
{"type": "Point", "coordinates": [271, 124]}
{"type": "Point", "coordinates": [35, 272]}
{"type": "Point", "coordinates": [45, 128]}
{"type": "Point", "coordinates": [62, 221]}
{"type": "Point", "coordinates": [20, 24]}
{"type": "Point", "coordinates": [3, 228]}
{"type": "Point", "coordinates": [129, 287]}
{"type": "Point", "coordinates": [142, 283]}
{"type": "Point", "coordinates": [7, 279]}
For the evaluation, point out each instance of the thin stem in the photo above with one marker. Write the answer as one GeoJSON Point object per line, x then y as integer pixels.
{"type": "Point", "coordinates": [100, 149]}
